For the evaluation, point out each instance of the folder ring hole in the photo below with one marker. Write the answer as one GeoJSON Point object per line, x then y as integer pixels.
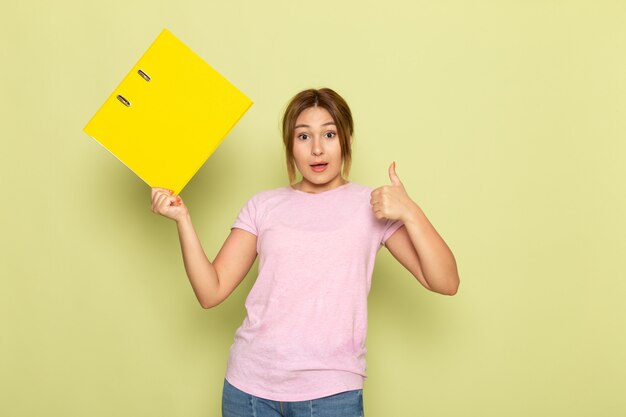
{"type": "Point", "coordinates": [144, 75]}
{"type": "Point", "coordinates": [123, 100]}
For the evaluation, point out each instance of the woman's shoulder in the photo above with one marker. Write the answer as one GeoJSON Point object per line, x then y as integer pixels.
{"type": "Point", "coordinates": [359, 189]}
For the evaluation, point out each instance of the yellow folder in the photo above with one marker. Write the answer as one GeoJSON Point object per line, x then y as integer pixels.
{"type": "Point", "coordinates": [168, 114]}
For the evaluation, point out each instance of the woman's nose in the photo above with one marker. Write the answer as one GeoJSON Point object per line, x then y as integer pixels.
{"type": "Point", "coordinates": [316, 147]}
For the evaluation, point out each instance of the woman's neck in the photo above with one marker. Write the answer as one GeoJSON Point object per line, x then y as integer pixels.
{"type": "Point", "coordinates": [309, 187]}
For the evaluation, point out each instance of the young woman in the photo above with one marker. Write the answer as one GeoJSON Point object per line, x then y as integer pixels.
{"type": "Point", "coordinates": [301, 348]}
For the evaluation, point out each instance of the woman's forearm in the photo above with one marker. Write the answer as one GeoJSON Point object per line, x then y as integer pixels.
{"type": "Point", "coordinates": [438, 263]}
{"type": "Point", "coordinates": [201, 272]}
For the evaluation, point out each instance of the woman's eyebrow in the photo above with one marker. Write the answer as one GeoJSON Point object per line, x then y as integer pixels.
{"type": "Point", "coordinates": [323, 124]}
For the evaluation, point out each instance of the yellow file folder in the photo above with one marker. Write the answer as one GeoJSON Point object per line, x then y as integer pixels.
{"type": "Point", "coordinates": [168, 114]}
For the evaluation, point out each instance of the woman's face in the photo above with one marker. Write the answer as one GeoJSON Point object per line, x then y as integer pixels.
{"type": "Point", "coordinates": [317, 151]}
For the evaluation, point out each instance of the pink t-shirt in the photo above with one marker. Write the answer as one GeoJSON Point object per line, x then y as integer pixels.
{"type": "Point", "coordinates": [306, 325]}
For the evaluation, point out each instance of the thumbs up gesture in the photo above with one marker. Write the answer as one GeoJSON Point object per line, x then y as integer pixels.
{"type": "Point", "coordinates": [391, 201]}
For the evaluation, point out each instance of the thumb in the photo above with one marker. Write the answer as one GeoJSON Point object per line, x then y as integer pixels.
{"type": "Point", "coordinates": [393, 176]}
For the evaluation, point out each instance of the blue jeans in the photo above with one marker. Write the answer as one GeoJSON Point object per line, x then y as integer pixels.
{"type": "Point", "coordinates": [236, 403]}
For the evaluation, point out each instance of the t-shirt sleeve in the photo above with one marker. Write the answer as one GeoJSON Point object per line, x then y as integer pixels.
{"type": "Point", "coordinates": [246, 219]}
{"type": "Point", "coordinates": [390, 227]}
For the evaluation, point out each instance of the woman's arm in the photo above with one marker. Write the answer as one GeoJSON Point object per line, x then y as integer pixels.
{"type": "Point", "coordinates": [416, 245]}
{"type": "Point", "coordinates": [212, 282]}
{"type": "Point", "coordinates": [420, 249]}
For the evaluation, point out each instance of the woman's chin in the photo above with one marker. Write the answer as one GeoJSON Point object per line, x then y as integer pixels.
{"type": "Point", "coordinates": [321, 180]}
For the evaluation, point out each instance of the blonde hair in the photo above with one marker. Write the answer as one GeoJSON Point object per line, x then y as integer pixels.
{"type": "Point", "coordinates": [338, 109]}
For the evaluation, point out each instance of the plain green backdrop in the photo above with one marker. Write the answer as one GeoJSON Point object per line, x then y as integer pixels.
{"type": "Point", "coordinates": [506, 121]}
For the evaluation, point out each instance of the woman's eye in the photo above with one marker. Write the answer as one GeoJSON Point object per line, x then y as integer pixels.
{"type": "Point", "coordinates": [330, 135]}
{"type": "Point", "coordinates": [303, 136]}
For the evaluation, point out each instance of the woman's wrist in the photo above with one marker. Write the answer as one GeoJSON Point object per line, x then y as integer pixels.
{"type": "Point", "coordinates": [183, 219]}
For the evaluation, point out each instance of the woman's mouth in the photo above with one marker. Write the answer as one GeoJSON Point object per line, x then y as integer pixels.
{"type": "Point", "coordinates": [319, 167]}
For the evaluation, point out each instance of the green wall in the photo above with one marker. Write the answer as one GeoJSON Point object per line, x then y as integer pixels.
{"type": "Point", "coordinates": [506, 121]}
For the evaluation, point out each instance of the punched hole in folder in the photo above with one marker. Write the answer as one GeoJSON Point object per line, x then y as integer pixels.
{"type": "Point", "coordinates": [123, 100]}
{"type": "Point", "coordinates": [144, 75]}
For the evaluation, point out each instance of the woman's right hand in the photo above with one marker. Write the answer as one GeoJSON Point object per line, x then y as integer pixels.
{"type": "Point", "coordinates": [165, 203]}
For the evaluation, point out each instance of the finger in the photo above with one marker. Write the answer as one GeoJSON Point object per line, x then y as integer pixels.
{"type": "Point", "coordinates": [395, 180]}
{"type": "Point", "coordinates": [377, 201]}
{"type": "Point", "coordinates": [156, 205]}
{"type": "Point", "coordinates": [158, 189]}
{"type": "Point", "coordinates": [163, 190]}
{"type": "Point", "coordinates": [164, 202]}
{"type": "Point", "coordinates": [157, 195]}
{"type": "Point", "coordinates": [155, 199]}
{"type": "Point", "coordinates": [169, 200]}
{"type": "Point", "coordinates": [379, 214]}
{"type": "Point", "coordinates": [158, 200]}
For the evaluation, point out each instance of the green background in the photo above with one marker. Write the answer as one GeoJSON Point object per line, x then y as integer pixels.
{"type": "Point", "coordinates": [506, 121]}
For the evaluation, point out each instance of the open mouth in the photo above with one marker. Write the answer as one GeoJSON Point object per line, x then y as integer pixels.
{"type": "Point", "coordinates": [319, 167]}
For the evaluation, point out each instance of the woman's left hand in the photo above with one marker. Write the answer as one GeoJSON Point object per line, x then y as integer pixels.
{"type": "Point", "coordinates": [391, 201]}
